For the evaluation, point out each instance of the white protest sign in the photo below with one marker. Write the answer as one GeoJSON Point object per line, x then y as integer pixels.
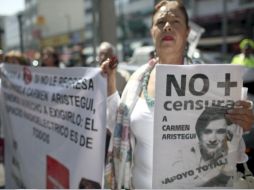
{"type": "Point", "coordinates": [194, 145]}
{"type": "Point", "coordinates": [193, 38]}
{"type": "Point", "coordinates": [55, 127]}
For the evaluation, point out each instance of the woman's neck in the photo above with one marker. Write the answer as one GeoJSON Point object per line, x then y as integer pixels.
{"type": "Point", "coordinates": [174, 59]}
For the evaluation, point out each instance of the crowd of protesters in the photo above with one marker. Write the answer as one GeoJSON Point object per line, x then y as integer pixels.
{"type": "Point", "coordinates": [48, 56]}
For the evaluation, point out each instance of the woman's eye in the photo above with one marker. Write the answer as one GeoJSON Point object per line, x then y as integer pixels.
{"type": "Point", "coordinates": [175, 21]}
{"type": "Point", "coordinates": [161, 22]}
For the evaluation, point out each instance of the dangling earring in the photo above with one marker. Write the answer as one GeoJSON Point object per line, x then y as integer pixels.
{"type": "Point", "coordinates": [186, 50]}
{"type": "Point", "coordinates": [188, 59]}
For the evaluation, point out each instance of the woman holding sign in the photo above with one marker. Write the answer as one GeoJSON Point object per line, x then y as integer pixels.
{"type": "Point", "coordinates": [131, 119]}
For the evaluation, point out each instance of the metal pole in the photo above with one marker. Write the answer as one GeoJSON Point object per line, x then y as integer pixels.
{"type": "Point", "coordinates": [95, 21]}
{"type": "Point", "coordinates": [68, 22]}
{"type": "Point", "coordinates": [224, 29]}
{"type": "Point", "coordinates": [20, 32]}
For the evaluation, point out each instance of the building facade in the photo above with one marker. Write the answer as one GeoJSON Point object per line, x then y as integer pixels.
{"type": "Point", "coordinates": [225, 21]}
{"type": "Point", "coordinates": [11, 33]}
{"type": "Point", "coordinates": [100, 25]}
{"type": "Point", "coordinates": [125, 23]}
{"type": "Point", "coordinates": [53, 23]}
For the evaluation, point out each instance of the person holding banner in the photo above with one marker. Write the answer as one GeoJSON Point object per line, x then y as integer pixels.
{"type": "Point", "coordinates": [50, 58]}
{"type": "Point", "coordinates": [130, 157]}
{"type": "Point", "coordinates": [107, 50]}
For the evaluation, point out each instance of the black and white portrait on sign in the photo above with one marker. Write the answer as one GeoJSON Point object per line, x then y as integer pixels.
{"type": "Point", "coordinates": [213, 132]}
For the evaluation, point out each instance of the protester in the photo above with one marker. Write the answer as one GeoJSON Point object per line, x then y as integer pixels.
{"type": "Point", "coordinates": [107, 51]}
{"type": "Point", "coordinates": [50, 57]}
{"type": "Point", "coordinates": [16, 57]}
{"type": "Point", "coordinates": [77, 57]}
{"type": "Point", "coordinates": [130, 162]}
{"type": "Point", "coordinates": [246, 57]}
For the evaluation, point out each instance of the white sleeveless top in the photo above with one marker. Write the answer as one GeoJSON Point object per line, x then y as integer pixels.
{"type": "Point", "coordinates": [142, 129]}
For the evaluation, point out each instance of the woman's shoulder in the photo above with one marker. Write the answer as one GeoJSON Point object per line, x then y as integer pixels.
{"type": "Point", "coordinates": [144, 68]}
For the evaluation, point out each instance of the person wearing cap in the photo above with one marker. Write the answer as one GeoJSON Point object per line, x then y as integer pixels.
{"type": "Point", "coordinates": [246, 57]}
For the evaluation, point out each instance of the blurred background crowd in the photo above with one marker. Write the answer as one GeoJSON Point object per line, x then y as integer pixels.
{"type": "Point", "coordinates": [75, 29]}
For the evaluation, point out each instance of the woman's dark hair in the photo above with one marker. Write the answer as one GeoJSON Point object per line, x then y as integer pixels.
{"type": "Point", "coordinates": [51, 51]}
{"type": "Point", "coordinates": [180, 5]}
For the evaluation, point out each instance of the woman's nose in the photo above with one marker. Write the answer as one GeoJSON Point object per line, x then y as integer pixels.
{"type": "Point", "coordinates": [167, 26]}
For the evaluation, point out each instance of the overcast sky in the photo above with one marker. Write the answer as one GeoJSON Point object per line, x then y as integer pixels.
{"type": "Point", "coordinates": [11, 7]}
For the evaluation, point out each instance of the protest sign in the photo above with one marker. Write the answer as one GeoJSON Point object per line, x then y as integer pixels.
{"type": "Point", "coordinates": [54, 127]}
{"type": "Point", "coordinates": [194, 144]}
{"type": "Point", "coordinates": [193, 38]}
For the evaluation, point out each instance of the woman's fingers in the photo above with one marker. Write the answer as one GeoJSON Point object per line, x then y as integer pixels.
{"type": "Point", "coordinates": [113, 62]}
{"type": "Point", "coordinates": [242, 114]}
{"type": "Point", "coordinates": [244, 104]}
{"type": "Point", "coordinates": [242, 120]}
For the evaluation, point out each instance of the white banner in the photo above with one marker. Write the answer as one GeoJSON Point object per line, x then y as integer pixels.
{"type": "Point", "coordinates": [194, 144]}
{"type": "Point", "coordinates": [55, 127]}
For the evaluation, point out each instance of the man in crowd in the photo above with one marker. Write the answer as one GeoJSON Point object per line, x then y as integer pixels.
{"type": "Point", "coordinates": [246, 57]}
{"type": "Point", "coordinates": [106, 50]}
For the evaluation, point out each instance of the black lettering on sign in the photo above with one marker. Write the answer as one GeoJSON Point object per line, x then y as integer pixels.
{"type": "Point", "coordinates": [86, 141]}
{"type": "Point", "coordinates": [89, 124]}
{"type": "Point", "coordinates": [181, 88]}
{"type": "Point", "coordinates": [41, 135]}
{"type": "Point", "coordinates": [74, 136]}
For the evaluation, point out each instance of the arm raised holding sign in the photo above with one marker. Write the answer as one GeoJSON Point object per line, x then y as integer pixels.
{"type": "Point", "coordinates": [132, 155]}
{"type": "Point", "coordinates": [242, 114]}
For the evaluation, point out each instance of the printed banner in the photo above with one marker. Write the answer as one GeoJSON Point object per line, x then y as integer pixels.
{"type": "Point", "coordinates": [194, 144]}
{"type": "Point", "coordinates": [55, 127]}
